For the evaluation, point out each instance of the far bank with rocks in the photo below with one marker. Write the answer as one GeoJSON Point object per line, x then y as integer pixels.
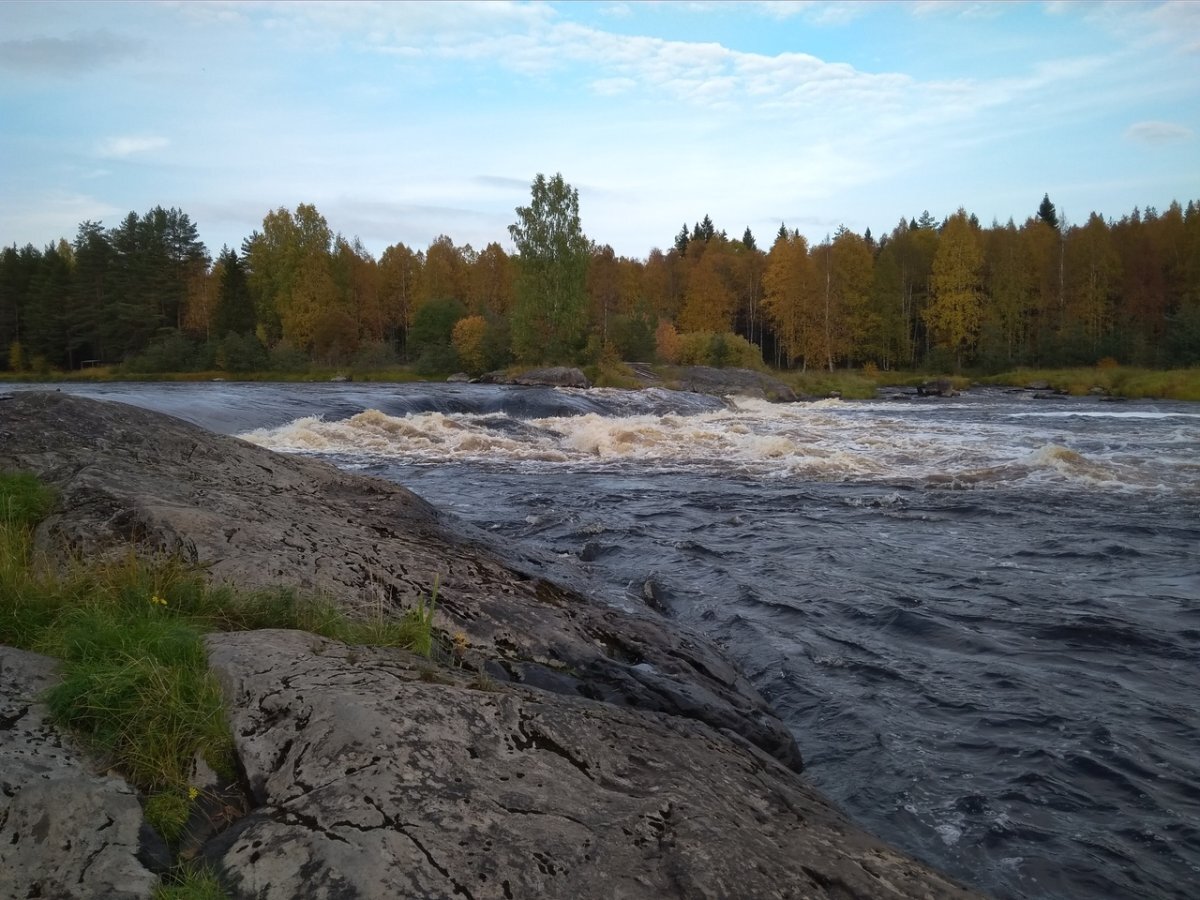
{"type": "Point", "coordinates": [729, 382]}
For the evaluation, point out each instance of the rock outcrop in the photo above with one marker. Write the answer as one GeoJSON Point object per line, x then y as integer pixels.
{"type": "Point", "coordinates": [938, 387]}
{"type": "Point", "coordinates": [371, 780]}
{"type": "Point", "coordinates": [572, 750]}
{"type": "Point", "coordinates": [731, 383]}
{"type": "Point", "coordinates": [65, 831]}
{"type": "Point", "coordinates": [254, 518]}
{"type": "Point", "coordinates": [554, 376]}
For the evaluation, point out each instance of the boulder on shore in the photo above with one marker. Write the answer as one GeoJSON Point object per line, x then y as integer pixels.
{"type": "Point", "coordinates": [65, 831]}
{"type": "Point", "coordinates": [573, 749]}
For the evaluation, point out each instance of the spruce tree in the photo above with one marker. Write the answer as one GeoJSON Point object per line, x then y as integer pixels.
{"type": "Point", "coordinates": [1047, 213]}
{"type": "Point", "coordinates": [235, 308]}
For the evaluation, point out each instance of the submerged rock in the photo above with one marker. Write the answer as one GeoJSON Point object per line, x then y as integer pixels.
{"type": "Point", "coordinates": [65, 831]}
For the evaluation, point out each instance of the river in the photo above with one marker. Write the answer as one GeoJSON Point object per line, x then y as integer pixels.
{"type": "Point", "coordinates": [980, 616]}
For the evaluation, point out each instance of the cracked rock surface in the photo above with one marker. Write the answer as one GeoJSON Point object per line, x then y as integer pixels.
{"type": "Point", "coordinates": [65, 832]}
{"type": "Point", "coordinates": [255, 518]}
{"type": "Point", "coordinates": [372, 782]}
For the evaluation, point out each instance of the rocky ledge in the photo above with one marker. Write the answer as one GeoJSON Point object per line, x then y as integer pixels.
{"type": "Point", "coordinates": [555, 376]}
{"type": "Point", "coordinates": [730, 383]}
{"type": "Point", "coordinates": [582, 751]}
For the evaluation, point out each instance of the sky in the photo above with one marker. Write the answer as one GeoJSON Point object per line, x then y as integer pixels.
{"type": "Point", "coordinates": [405, 121]}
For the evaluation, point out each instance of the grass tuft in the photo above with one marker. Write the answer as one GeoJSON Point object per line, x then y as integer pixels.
{"type": "Point", "coordinates": [192, 882]}
{"type": "Point", "coordinates": [168, 811]}
{"type": "Point", "coordinates": [136, 685]}
{"type": "Point", "coordinates": [24, 501]}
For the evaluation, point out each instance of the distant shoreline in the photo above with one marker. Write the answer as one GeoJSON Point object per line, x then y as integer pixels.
{"type": "Point", "coordinates": [1119, 381]}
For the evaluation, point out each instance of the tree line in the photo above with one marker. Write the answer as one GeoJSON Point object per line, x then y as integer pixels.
{"type": "Point", "coordinates": [145, 294]}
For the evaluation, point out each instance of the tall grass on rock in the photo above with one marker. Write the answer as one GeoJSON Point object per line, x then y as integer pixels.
{"type": "Point", "coordinates": [135, 680]}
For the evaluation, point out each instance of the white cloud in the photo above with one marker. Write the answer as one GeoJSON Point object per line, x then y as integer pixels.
{"type": "Point", "coordinates": [616, 11]}
{"type": "Point", "coordinates": [68, 55]}
{"type": "Point", "coordinates": [985, 10]}
{"type": "Point", "coordinates": [814, 11]}
{"type": "Point", "coordinates": [1156, 133]}
{"type": "Point", "coordinates": [1179, 23]}
{"type": "Point", "coordinates": [124, 146]}
{"type": "Point", "coordinates": [608, 87]}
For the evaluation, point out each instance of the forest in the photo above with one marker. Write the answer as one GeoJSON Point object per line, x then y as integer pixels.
{"type": "Point", "coordinates": [939, 295]}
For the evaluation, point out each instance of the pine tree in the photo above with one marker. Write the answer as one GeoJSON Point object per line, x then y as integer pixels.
{"type": "Point", "coordinates": [1047, 213]}
{"type": "Point", "coordinates": [682, 240]}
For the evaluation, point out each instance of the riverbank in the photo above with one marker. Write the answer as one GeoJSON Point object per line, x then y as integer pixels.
{"type": "Point", "coordinates": [850, 384]}
{"type": "Point", "coordinates": [566, 748]}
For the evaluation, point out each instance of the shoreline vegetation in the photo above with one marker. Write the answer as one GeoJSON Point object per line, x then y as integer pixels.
{"type": "Point", "coordinates": [852, 384]}
{"type": "Point", "coordinates": [136, 689]}
{"type": "Point", "coordinates": [1040, 301]}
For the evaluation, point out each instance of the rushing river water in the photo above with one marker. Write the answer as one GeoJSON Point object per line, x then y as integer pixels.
{"type": "Point", "coordinates": [979, 616]}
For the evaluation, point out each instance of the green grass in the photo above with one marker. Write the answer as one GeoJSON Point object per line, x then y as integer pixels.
{"type": "Point", "coordinates": [190, 883]}
{"type": "Point", "coordinates": [135, 684]}
{"type": "Point", "coordinates": [849, 383]}
{"type": "Point", "coordinates": [1120, 381]}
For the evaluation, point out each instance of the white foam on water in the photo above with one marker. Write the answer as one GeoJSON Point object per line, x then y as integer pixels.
{"type": "Point", "coordinates": [425, 436]}
{"type": "Point", "coordinates": [826, 441]}
{"type": "Point", "coordinates": [1104, 414]}
{"type": "Point", "coordinates": [950, 834]}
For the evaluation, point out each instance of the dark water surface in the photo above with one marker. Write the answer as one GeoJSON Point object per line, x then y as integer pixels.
{"type": "Point", "coordinates": [979, 616]}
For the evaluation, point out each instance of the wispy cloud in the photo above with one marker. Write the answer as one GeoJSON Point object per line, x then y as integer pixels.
{"type": "Point", "coordinates": [386, 114]}
{"type": "Point", "coordinates": [51, 212]}
{"type": "Point", "coordinates": [816, 12]}
{"type": "Point", "coordinates": [610, 87]}
{"type": "Point", "coordinates": [123, 146]}
{"type": "Point", "coordinates": [1179, 23]}
{"type": "Point", "coordinates": [1156, 133]}
{"type": "Point", "coordinates": [616, 11]}
{"type": "Point", "coordinates": [68, 55]}
{"type": "Point", "coordinates": [978, 10]}
{"type": "Point", "coordinates": [503, 182]}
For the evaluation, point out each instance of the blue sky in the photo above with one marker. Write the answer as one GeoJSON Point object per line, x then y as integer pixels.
{"type": "Point", "coordinates": [403, 121]}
